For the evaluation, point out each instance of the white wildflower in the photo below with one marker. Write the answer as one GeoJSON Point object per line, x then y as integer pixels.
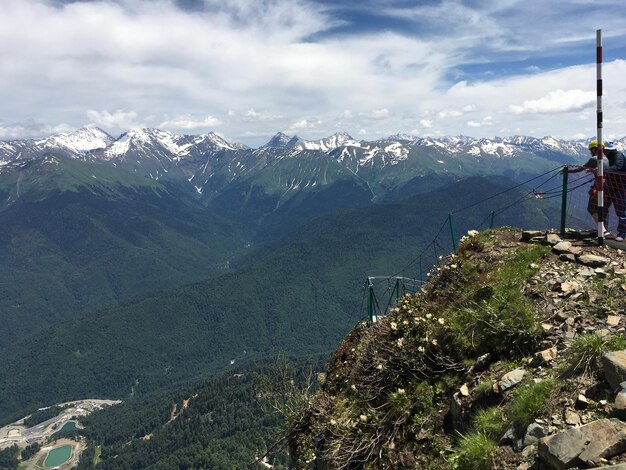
{"type": "Point", "coordinates": [400, 342]}
{"type": "Point", "coordinates": [472, 233]}
{"type": "Point", "coordinates": [441, 321]}
{"type": "Point", "coordinates": [394, 325]}
{"type": "Point", "coordinates": [421, 349]}
{"type": "Point", "coordinates": [353, 387]}
{"type": "Point", "coordinates": [363, 418]}
{"type": "Point", "coordinates": [429, 316]}
{"type": "Point", "coordinates": [401, 391]}
{"type": "Point", "coordinates": [434, 341]}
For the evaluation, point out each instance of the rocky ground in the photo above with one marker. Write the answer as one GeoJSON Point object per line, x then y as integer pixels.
{"type": "Point", "coordinates": [579, 290]}
{"type": "Point", "coordinates": [512, 357]}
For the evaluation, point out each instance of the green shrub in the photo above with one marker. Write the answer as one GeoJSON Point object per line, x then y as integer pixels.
{"type": "Point", "coordinates": [476, 451]}
{"type": "Point", "coordinates": [585, 352]}
{"type": "Point", "coordinates": [490, 422]}
{"type": "Point", "coordinates": [495, 314]}
{"type": "Point", "coordinates": [529, 402]}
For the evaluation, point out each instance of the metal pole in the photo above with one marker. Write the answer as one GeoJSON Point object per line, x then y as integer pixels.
{"type": "Point", "coordinates": [564, 201]}
{"type": "Point", "coordinates": [600, 168]}
{"type": "Point", "coordinates": [452, 231]}
{"type": "Point", "coordinates": [493, 214]}
{"type": "Point", "coordinates": [370, 300]}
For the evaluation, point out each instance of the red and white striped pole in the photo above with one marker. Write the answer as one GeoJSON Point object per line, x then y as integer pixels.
{"type": "Point", "coordinates": [600, 167]}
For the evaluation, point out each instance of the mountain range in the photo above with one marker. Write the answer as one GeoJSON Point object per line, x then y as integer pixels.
{"type": "Point", "coordinates": [286, 164]}
{"type": "Point", "coordinates": [289, 180]}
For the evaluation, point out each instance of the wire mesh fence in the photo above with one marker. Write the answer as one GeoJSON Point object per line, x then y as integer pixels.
{"type": "Point", "coordinates": [581, 207]}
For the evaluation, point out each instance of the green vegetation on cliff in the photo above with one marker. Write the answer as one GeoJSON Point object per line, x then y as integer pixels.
{"type": "Point", "coordinates": [501, 348]}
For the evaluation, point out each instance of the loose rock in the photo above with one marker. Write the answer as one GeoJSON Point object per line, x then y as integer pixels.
{"type": "Point", "coordinates": [511, 379]}
{"type": "Point", "coordinates": [584, 446]}
{"type": "Point", "coordinates": [614, 364]}
{"type": "Point", "coordinates": [593, 261]}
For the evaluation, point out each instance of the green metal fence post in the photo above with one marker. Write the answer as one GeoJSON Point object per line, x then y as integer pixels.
{"type": "Point", "coordinates": [493, 214]}
{"type": "Point", "coordinates": [564, 201]}
{"type": "Point", "coordinates": [452, 231]}
{"type": "Point", "coordinates": [370, 306]}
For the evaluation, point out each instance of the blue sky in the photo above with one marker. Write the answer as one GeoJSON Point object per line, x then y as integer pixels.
{"type": "Point", "coordinates": [249, 68]}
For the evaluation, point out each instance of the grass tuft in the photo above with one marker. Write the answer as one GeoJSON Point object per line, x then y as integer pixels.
{"type": "Point", "coordinates": [529, 402]}
{"type": "Point", "coordinates": [476, 451]}
{"type": "Point", "coordinates": [490, 422]}
{"type": "Point", "coordinates": [585, 353]}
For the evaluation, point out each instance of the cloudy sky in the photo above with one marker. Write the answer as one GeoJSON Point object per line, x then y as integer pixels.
{"type": "Point", "coordinates": [249, 68]}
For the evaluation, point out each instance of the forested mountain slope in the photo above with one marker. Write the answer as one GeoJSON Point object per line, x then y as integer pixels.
{"type": "Point", "coordinates": [76, 236]}
{"type": "Point", "coordinates": [299, 298]}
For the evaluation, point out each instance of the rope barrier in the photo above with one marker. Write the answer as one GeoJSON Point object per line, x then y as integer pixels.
{"type": "Point", "coordinates": [430, 254]}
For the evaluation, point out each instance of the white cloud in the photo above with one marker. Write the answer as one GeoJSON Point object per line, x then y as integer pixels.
{"type": "Point", "coordinates": [426, 123]}
{"type": "Point", "coordinates": [306, 124]}
{"type": "Point", "coordinates": [557, 101]}
{"type": "Point", "coordinates": [253, 116]}
{"type": "Point", "coordinates": [447, 113]}
{"type": "Point", "coordinates": [188, 122]}
{"type": "Point", "coordinates": [30, 129]}
{"type": "Point", "coordinates": [377, 114]}
{"type": "Point", "coordinates": [119, 119]}
{"type": "Point", "coordinates": [259, 67]}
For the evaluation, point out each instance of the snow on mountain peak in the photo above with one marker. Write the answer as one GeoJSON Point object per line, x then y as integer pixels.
{"type": "Point", "coordinates": [326, 144]}
{"type": "Point", "coordinates": [217, 141]}
{"type": "Point", "coordinates": [280, 140]}
{"type": "Point", "coordinates": [80, 141]}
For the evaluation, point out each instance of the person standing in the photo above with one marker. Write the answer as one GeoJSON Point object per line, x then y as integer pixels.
{"type": "Point", "coordinates": [615, 186]}
{"type": "Point", "coordinates": [591, 165]}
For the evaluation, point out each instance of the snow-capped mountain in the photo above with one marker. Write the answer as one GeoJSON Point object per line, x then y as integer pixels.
{"type": "Point", "coordinates": [79, 142]}
{"type": "Point", "coordinates": [288, 164]}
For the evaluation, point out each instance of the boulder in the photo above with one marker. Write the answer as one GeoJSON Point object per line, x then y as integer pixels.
{"type": "Point", "coordinates": [613, 320]}
{"type": "Point", "coordinates": [528, 235]}
{"type": "Point", "coordinates": [534, 432]}
{"type": "Point", "coordinates": [593, 261]}
{"type": "Point", "coordinates": [620, 400]}
{"type": "Point", "coordinates": [562, 247]}
{"type": "Point", "coordinates": [456, 412]}
{"type": "Point", "coordinates": [571, 417]}
{"type": "Point", "coordinates": [544, 357]}
{"type": "Point", "coordinates": [552, 239]}
{"type": "Point", "coordinates": [481, 363]}
{"type": "Point", "coordinates": [511, 379]}
{"type": "Point", "coordinates": [584, 446]}
{"type": "Point", "coordinates": [582, 403]}
{"type": "Point", "coordinates": [614, 364]}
